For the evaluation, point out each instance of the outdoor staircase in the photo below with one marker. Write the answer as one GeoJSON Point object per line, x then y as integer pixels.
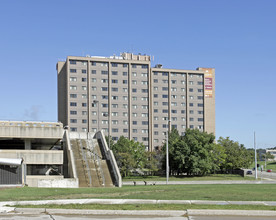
{"type": "Point", "coordinates": [91, 167]}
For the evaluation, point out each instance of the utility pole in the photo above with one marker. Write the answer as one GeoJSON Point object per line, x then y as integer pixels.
{"type": "Point", "coordinates": [256, 171]}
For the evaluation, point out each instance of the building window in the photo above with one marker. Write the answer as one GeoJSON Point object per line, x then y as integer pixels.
{"type": "Point", "coordinates": [84, 121]}
{"type": "Point", "coordinates": [124, 89]}
{"type": "Point", "coordinates": [183, 111]}
{"type": "Point", "coordinates": [125, 98]}
{"type": "Point", "coordinates": [115, 97]}
{"type": "Point", "coordinates": [200, 97]}
{"type": "Point", "coordinates": [73, 112]}
{"type": "Point", "coordinates": [114, 113]}
{"type": "Point", "coordinates": [200, 112]}
{"type": "Point", "coordinates": [155, 80]}
{"type": "Point", "coordinates": [144, 74]}
{"type": "Point", "coordinates": [144, 114]}
{"type": "Point", "coordinates": [164, 74]}
{"type": "Point", "coordinates": [173, 81]}
{"type": "Point", "coordinates": [165, 96]}
{"type": "Point", "coordinates": [165, 81]}
{"type": "Point", "coordinates": [125, 114]}
{"type": "Point", "coordinates": [144, 82]}
{"type": "Point", "coordinates": [104, 80]}
{"type": "Point", "coordinates": [134, 90]}
{"type": "Point", "coordinates": [73, 95]}
{"type": "Point", "coordinates": [200, 105]}
{"type": "Point", "coordinates": [73, 79]}
{"type": "Point", "coordinates": [73, 62]}
{"type": "Point", "coordinates": [165, 103]}
{"type": "Point", "coordinates": [156, 133]}
{"type": "Point", "coordinates": [155, 88]}
{"type": "Point", "coordinates": [183, 104]}
{"type": "Point", "coordinates": [73, 120]}
{"type": "Point", "coordinates": [73, 104]}
{"type": "Point", "coordinates": [84, 88]}
{"type": "Point", "coordinates": [155, 118]}
{"type": "Point", "coordinates": [93, 63]}
{"type": "Point", "coordinates": [124, 73]}
{"type": "Point", "coordinates": [73, 70]}
{"type": "Point", "coordinates": [104, 89]}
{"type": "Point", "coordinates": [73, 87]}
{"type": "Point", "coordinates": [93, 80]}
{"type": "Point", "coordinates": [174, 111]}
{"type": "Point", "coordinates": [200, 90]}
{"type": "Point", "coordinates": [104, 72]}
{"type": "Point", "coordinates": [124, 105]}
{"type": "Point", "coordinates": [114, 64]}
{"type": "Point", "coordinates": [84, 96]}
{"type": "Point", "coordinates": [191, 126]}
{"type": "Point", "coordinates": [93, 71]}
{"type": "Point", "coordinates": [191, 82]}
{"type": "Point", "coordinates": [145, 131]}
{"type": "Point", "coordinates": [144, 107]}
{"type": "Point", "coordinates": [174, 96]}
{"type": "Point", "coordinates": [191, 97]}
{"type": "Point", "coordinates": [115, 130]}
{"type": "Point", "coordinates": [164, 88]}
{"type": "Point", "coordinates": [114, 81]}
{"type": "Point", "coordinates": [83, 79]}
{"type": "Point", "coordinates": [191, 90]}
{"type": "Point", "coordinates": [124, 81]}
{"type": "Point", "coordinates": [155, 110]}
{"type": "Point", "coordinates": [134, 82]}
{"type": "Point", "coordinates": [191, 104]}
{"type": "Point", "coordinates": [84, 112]}
{"type": "Point", "coordinates": [165, 111]}
{"type": "Point", "coordinates": [125, 130]}
{"type": "Point", "coordinates": [145, 90]}
{"type": "Point", "coordinates": [114, 73]}
{"type": "Point", "coordinates": [83, 104]}
{"type": "Point", "coordinates": [133, 65]}
{"type": "Point", "coordinates": [83, 71]}
{"type": "Point", "coordinates": [199, 83]}
{"type": "Point", "coordinates": [173, 89]}
{"type": "Point", "coordinates": [134, 122]}
{"type": "Point", "coordinates": [114, 105]}
{"type": "Point", "coordinates": [114, 122]}
{"type": "Point", "coordinates": [191, 119]}
{"type": "Point", "coordinates": [155, 95]}
{"type": "Point", "coordinates": [73, 129]}
{"type": "Point", "coordinates": [104, 105]}
{"type": "Point", "coordinates": [134, 130]}
{"type": "Point", "coordinates": [124, 65]}
{"type": "Point", "coordinates": [134, 98]}
{"type": "Point", "coordinates": [200, 119]}
{"type": "Point", "coordinates": [145, 123]}
{"type": "Point", "coordinates": [191, 111]}
{"type": "Point", "coordinates": [134, 74]}
{"type": "Point", "coordinates": [144, 66]}
{"type": "Point", "coordinates": [156, 125]}
{"type": "Point", "coordinates": [134, 115]}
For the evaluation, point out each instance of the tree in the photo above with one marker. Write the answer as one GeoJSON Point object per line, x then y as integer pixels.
{"type": "Point", "coordinates": [237, 156]}
{"type": "Point", "coordinates": [191, 153]}
{"type": "Point", "coordinates": [129, 155]}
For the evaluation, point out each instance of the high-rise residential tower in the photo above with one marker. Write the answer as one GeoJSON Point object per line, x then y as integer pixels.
{"type": "Point", "coordinates": [124, 95]}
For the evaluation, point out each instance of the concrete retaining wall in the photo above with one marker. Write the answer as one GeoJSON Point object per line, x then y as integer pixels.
{"type": "Point", "coordinates": [35, 156]}
{"type": "Point", "coordinates": [51, 181]}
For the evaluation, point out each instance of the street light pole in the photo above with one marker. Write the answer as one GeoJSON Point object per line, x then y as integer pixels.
{"type": "Point", "coordinates": [256, 175]}
{"type": "Point", "coordinates": [167, 156]}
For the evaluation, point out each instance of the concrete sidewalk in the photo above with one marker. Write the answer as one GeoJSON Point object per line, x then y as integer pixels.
{"type": "Point", "coordinates": [25, 211]}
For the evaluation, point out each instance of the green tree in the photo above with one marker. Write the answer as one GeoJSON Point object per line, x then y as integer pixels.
{"type": "Point", "coordinates": [237, 155]}
{"type": "Point", "coordinates": [191, 153]}
{"type": "Point", "coordinates": [130, 155]}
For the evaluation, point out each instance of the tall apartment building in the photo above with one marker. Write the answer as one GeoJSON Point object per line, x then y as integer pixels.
{"type": "Point", "coordinates": [125, 96]}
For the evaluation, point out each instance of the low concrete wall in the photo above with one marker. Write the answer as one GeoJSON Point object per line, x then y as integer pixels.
{"type": "Point", "coordinates": [51, 182]}
{"type": "Point", "coordinates": [19, 129]}
{"type": "Point", "coordinates": [69, 162]}
{"type": "Point", "coordinates": [35, 156]}
{"type": "Point", "coordinates": [108, 154]}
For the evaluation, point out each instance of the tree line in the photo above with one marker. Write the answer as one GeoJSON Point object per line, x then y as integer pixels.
{"type": "Point", "coordinates": [194, 153]}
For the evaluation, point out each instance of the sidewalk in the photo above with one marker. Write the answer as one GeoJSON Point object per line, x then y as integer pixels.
{"type": "Point", "coordinates": [25, 211]}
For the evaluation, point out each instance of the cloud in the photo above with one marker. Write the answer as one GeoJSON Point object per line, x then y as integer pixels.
{"type": "Point", "coordinates": [33, 112]}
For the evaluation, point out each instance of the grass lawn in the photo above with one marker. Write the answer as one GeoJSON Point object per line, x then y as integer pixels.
{"type": "Point", "coordinates": [150, 207]}
{"type": "Point", "coordinates": [269, 165]}
{"type": "Point", "coordinates": [233, 192]}
{"type": "Point", "coordinates": [187, 178]}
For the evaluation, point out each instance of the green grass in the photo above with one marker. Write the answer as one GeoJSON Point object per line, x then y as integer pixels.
{"type": "Point", "coordinates": [269, 165]}
{"type": "Point", "coordinates": [149, 207]}
{"type": "Point", "coordinates": [231, 192]}
{"type": "Point", "coordinates": [187, 178]}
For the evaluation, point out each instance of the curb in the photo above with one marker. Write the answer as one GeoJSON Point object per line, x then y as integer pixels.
{"type": "Point", "coordinates": [206, 212]}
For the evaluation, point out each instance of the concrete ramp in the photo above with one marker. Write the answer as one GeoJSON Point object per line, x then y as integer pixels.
{"type": "Point", "coordinates": [91, 165]}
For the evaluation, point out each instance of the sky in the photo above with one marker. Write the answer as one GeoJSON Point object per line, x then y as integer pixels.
{"type": "Point", "coordinates": [237, 38]}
